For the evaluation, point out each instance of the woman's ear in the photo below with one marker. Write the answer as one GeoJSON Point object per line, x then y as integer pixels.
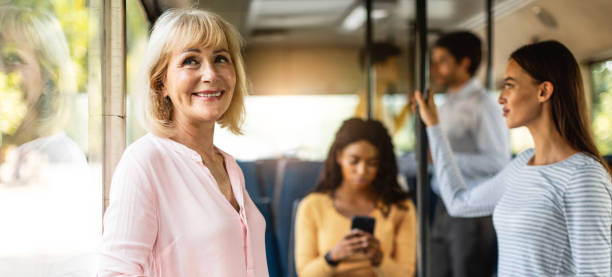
{"type": "Point", "coordinates": [338, 156]}
{"type": "Point", "coordinates": [162, 88]}
{"type": "Point", "coordinates": [545, 91]}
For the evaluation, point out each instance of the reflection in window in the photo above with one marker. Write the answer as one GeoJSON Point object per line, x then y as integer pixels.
{"type": "Point", "coordinates": [602, 105]}
{"type": "Point", "coordinates": [50, 185]}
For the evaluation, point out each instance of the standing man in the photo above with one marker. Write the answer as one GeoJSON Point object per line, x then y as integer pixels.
{"type": "Point", "coordinates": [473, 123]}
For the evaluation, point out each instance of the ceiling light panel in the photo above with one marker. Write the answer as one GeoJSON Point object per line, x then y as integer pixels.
{"type": "Point", "coordinates": [294, 13]}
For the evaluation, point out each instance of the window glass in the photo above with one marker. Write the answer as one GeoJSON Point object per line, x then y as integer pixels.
{"type": "Point", "coordinates": [137, 27]}
{"type": "Point", "coordinates": [50, 137]}
{"type": "Point", "coordinates": [602, 105]}
{"type": "Point", "coordinates": [301, 126]}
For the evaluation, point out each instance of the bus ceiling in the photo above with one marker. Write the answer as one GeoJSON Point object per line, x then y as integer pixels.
{"type": "Point", "coordinates": [282, 23]}
{"type": "Point", "coordinates": [266, 24]}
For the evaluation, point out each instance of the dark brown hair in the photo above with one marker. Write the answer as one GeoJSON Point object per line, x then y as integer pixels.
{"type": "Point", "coordinates": [385, 184]}
{"type": "Point", "coordinates": [551, 61]}
{"type": "Point", "coordinates": [461, 45]}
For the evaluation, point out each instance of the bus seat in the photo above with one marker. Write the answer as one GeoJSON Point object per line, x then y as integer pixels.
{"type": "Point", "coordinates": [295, 178]}
{"type": "Point", "coordinates": [257, 192]}
{"type": "Point", "coordinates": [266, 169]}
{"type": "Point", "coordinates": [251, 180]}
{"type": "Point", "coordinates": [291, 270]}
{"type": "Point", "coordinates": [274, 268]}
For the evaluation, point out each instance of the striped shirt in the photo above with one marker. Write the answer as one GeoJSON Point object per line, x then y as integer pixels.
{"type": "Point", "coordinates": [551, 220]}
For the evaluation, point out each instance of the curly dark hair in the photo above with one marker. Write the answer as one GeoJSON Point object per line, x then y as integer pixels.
{"type": "Point", "coordinates": [385, 184]}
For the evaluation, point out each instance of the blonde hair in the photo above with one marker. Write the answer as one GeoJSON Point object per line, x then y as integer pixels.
{"type": "Point", "coordinates": [178, 29]}
{"type": "Point", "coordinates": [43, 32]}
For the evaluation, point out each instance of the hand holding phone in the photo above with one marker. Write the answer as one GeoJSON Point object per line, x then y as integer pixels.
{"type": "Point", "coordinates": [356, 241]}
{"type": "Point", "coordinates": [370, 245]}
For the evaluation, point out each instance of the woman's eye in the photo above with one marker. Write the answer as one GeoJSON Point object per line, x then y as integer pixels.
{"type": "Point", "coordinates": [221, 59]}
{"type": "Point", "coordinates": [12, 59]}
{"type": "Point", "coordinates": [507, 86]}
{"type": "Point", "coordinates": [353, 161]}
{"type": "Point", "coordinates": [189, 61]}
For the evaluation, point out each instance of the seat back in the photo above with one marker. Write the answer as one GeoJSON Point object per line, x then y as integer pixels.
{"type": "Point", "coordinates": [272, 256]}
{"type": "Point", "coordinates": [266, 170]}
{"type": "Point", "coordinates": [258, 192]}
{"type": "Point", "coordinates": [251, 179]}
{"type": "Point", "coordinates": [295, 178]}
{"type": "Point", "coordinates": [291, 270]}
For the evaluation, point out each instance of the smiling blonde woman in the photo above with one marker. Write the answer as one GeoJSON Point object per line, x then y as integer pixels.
{"type": "Point", "coordinates": [178, 205]}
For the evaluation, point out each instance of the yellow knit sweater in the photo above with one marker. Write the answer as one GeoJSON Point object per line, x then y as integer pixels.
{"type": "Point", "coordinates": [319, 227]}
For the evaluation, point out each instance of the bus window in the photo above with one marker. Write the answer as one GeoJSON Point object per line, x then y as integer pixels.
{"type": "Point", "coordinates": [50, 141]}
{"type": "Point", "coordinates": [602, 105]}
{"type": "Point", "coordinates": [137, 35]}
{"type": "Point", "coordinates": [301, 126]}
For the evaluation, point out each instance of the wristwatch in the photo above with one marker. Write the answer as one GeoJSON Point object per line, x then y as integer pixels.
{"type": "Point", "coordinates": [329, 260]}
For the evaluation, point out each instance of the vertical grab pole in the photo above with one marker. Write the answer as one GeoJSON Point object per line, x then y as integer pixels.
{"type": "Point", "coordinates": [421, 143]}
{"type": "Point", "coordinates": [368, 59]}
{"type": "Point", "coordinates": [489, 80]}
{"type": "Point", "coordinates": [113, 90]}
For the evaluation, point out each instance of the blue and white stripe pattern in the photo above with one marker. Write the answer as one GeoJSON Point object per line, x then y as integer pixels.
{"type": "Point", "coordinates": [551, 220]}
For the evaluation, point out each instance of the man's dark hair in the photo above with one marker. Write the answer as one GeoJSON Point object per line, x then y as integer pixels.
{"type": "Point", "coordinates": [381, 52]}
{"type": "Point", "coordinates": [462, 45]}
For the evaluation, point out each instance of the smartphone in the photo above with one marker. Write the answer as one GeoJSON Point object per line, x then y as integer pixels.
{"type": "Point", "coordinates": [364, 223]}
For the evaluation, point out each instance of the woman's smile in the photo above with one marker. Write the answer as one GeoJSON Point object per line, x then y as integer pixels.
{"type": "Point", "coordinates": [209, 95]}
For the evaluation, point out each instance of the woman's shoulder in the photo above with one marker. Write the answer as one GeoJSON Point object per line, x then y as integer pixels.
{"type": "Point", "coordinates": [148, 146]}
{"type": "Point", "coordinates": [405, 206]}
{"type": "Point", "coordinates": [59, 148]}
{"type": "Point", "coordinates": [402, 211]}
{"type": "Point", "coordinates": [314, 205]}
{"type": "Point", "coordinates": [587, 167]}
{"type": "Point", "coordinates": [145, 151]}
{"type": "Point", "coordinates": [589, 182]}
{"type": "Point", "coordinates": [407, 203]}
{"type": "Point", "coordinates": [315, 199]}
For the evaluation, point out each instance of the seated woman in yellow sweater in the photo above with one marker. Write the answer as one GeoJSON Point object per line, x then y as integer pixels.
{"type": "Point", "coordinates": [359, 178]}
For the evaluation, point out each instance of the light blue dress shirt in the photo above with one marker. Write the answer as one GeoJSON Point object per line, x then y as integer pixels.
{"type": "Point", "coordinates": [473, 123]}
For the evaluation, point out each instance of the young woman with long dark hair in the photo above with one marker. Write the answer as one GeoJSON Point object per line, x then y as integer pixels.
{"type": "Point", "coordinates": [552, 205]}
{"type": "Point", "coordinates": [359, 178]}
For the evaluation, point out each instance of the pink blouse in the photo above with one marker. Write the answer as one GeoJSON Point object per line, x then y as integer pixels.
{"type": "Point", "coordinates": [167, 217]}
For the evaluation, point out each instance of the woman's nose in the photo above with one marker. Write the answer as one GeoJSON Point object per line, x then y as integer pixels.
{"type": "Point", "coordinates": [361, 168]}
{"type": "Point", "coordinates": [207, 70]}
